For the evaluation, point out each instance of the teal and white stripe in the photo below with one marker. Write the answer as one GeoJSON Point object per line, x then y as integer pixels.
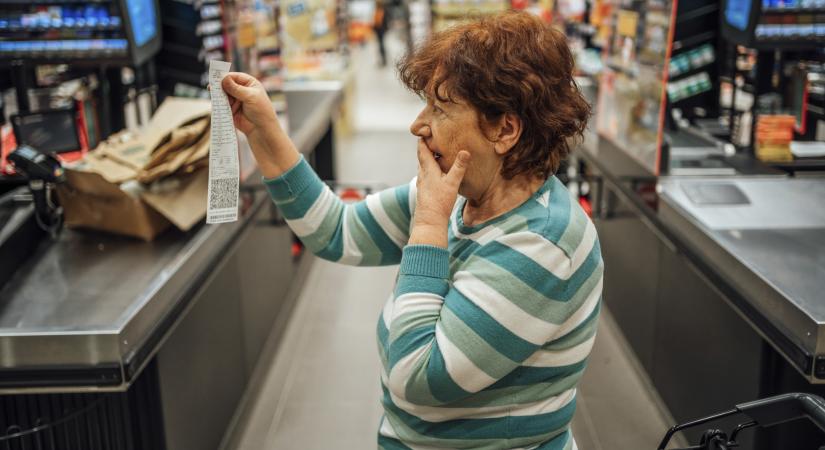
{"type": "Point", "coordinates": [482, 344]}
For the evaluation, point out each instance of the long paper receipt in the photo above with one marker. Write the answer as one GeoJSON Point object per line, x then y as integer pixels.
{"type": "Point", "coordinates": [224, 172]}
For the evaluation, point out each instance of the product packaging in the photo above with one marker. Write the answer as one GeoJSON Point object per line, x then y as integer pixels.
{"type": "Point", "coordinates": [139, 184]}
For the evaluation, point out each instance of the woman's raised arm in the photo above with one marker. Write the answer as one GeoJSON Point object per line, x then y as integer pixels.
{"type": "Point", "coordinates": [368, 233]}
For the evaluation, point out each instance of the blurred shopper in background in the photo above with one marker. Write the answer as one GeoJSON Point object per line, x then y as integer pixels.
{"type": "Point", "coordinates": [380, 27]}
{"type": "Point", "coordinates": [495, 308]}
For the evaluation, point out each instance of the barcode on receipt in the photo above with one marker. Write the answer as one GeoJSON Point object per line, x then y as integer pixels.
{"type": "Point", "coordinates": [224, 193]}
{"type": "Point", "coordinates": [220, 218]}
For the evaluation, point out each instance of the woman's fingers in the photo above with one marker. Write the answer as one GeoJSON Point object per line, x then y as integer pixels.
{"type": "Point", "coordinates": [235, 105]}
{"type": "Point", "coordinates": [232, 88]}
{"type": "Point", "coordinates": [244, 79]}
{"type": "Point", "coordinates": [241, 78]}
{"type": "Point", "coordinates": [426, 160]}
{"type": "Point", "coordinates": [239, 85]}
{"type": "Point", "coordinates": [456, 173]}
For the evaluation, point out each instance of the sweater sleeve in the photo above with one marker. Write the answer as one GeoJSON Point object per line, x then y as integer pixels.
{"type": "Point", "coordinates": [371, 232]}
{"type": "Point", "coordinates": [496, 322]}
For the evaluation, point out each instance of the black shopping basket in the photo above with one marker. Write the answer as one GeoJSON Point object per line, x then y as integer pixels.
{"type": "Point", "coordinates": [763, 413]}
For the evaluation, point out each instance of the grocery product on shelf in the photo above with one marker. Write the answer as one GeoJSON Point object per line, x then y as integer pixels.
{"type": "Point", "coordinates": [255, 31]}
{"type": "Point", "coordinates": [315, 34]}
{"type": "Point", "coordinates": [450, 12]}
{"type": "Point", "coordinates": [630, 105]}
{"type": "Point", "coordinates": [774, 134]}
{"type": "Point", "coordinates": [661, 73]}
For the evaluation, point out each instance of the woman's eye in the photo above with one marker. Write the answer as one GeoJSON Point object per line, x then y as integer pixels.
{"type": "Point", "coordinates": [437, 109]}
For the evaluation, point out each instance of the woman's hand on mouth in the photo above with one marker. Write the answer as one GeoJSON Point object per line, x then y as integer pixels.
{"type": "Point", "coordinates": [436, 196]}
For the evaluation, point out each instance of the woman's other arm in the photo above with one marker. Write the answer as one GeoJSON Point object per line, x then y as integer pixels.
{"type": "Point", "coordinates": [371, 232]}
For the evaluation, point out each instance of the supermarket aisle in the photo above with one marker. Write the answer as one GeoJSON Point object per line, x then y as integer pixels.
{"type": "Point", "coordinates": [321, 390]}
{"type": "Point", "coordinates": [382, 102]}
{"type": "Point", "coordinates": [330, 396]}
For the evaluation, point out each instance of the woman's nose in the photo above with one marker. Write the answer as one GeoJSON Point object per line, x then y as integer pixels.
{"type": "Point", "coordinates": [420, 127]}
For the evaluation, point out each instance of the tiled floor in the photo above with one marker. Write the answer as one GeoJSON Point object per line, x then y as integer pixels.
{"type": "Point", "coordinates": [617, 408]}
{"type": "Point", "coordinates": [320, 390]}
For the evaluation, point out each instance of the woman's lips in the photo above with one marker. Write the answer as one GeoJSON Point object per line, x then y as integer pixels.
{"type": "Point", "coordinates": [436, 154]}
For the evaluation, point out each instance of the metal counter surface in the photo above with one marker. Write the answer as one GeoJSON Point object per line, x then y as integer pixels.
{"type": "Point", "coordinates": [90, 309]}
{"type": "Point", "coordinates": [767, 257]}
{"type": "Point", "coordinates": [770, 245]}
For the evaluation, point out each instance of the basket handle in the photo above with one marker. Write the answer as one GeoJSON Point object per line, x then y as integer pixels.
{"type": "Point", "coordinates": [784, 408]}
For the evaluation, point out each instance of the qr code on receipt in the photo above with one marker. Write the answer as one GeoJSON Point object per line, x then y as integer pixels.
{"type": "Point", "coordinates": [224, 193]}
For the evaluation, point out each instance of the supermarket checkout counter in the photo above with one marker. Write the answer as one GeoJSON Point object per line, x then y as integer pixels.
{"type": "Point", "coordinates": [96, 313]}
{"type": "Point", "coordinates": [766, 236]}
{"type": "Point", "coordinates": [716, 276]}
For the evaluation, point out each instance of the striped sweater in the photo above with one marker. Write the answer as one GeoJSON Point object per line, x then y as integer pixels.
{"type": "Point", "coordinates": [483, 344]}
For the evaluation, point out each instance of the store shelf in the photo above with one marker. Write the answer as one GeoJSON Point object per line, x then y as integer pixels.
{"type": "Point", "coordinates": [70, 48]}
{"type": "Point", "coordinates": [617, 67]}
{"type": "Point", "coordinates": [696, 13]}
{"type": "Point", "coordinates": [269, 51]}
{"type": "Point", "coordinates": [798, 44]}
{"type": "Point", "coordinates": [793, 10]}
{"type": "Point", "coordinates": [694, 40]}
{"type": "Point", "coordinates": [464, 10]}
{"type": "Point", "coordinates": [181, 76]}
{"type": "Point", "coordinates": [52, 2]}
{"type": "Point", "coordinates": [691, 71]}
{"type": "Point", "coordinates": [689, 97]}
{"type": "Point", "coordinates": [35, 29]}
{"type": "Point", "coordinates": [583, 28]}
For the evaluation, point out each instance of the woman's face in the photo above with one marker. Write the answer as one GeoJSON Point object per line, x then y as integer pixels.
{"type": "Point", "coordinates": [449, 127]}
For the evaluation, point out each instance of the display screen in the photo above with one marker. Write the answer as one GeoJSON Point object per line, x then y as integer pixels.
{"type": "Point", "coordinates": [52, 131]}
{"type": "Point", "coordinates": [779, 4]}
{"type": "Point", "coordinates": [737, 13]}
{"type": "Point", "coordinates": [69, 45]}
{"type": "Point", "coordinates": [142, 15]}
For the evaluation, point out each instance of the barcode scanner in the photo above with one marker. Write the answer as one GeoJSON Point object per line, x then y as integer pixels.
{"type": "Point", "coordinates": [43, 171]}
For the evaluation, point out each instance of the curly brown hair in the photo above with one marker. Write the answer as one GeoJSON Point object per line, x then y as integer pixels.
{"type": "Point", "coordinates": [507, 63]}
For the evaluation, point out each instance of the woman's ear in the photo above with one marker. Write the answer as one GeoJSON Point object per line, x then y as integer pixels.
{"type": "Point", "coordinates": [508, 133]}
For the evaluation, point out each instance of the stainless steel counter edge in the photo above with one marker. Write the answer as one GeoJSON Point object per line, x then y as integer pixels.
{"type": "Point", "coordinates": [180, 281]}
{"type": "Point", "coordinates": [772, 315]}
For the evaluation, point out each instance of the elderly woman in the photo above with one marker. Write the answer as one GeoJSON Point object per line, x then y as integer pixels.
{"type": "Point", "coordinates": [494, 312]}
